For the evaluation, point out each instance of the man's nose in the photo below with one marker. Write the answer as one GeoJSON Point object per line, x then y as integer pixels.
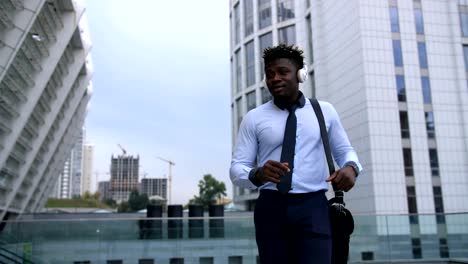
{"type": "Point", "coordinates": [275, 77]}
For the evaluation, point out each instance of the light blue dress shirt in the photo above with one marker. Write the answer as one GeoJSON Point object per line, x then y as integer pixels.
{"type": "Point", "coordinates": [261, 136]}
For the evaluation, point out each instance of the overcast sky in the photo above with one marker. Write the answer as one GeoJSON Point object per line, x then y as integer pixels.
{"type": "Point", "coordinates": [162, 88]}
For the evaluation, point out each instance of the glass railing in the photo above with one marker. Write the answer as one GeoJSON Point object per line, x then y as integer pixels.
{"type": "Point", "coordinates": [115, 238]}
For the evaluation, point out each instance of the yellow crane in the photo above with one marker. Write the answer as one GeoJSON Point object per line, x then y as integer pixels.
{"type": "Point", "coordinates": [169, 178]}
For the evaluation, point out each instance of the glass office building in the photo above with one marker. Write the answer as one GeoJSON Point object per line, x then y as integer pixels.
{"type": "Point", "coordinates": [396, 73]}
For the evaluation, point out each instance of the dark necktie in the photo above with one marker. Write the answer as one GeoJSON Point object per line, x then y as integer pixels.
{"type": "Point", "coordinates": [287, 153]}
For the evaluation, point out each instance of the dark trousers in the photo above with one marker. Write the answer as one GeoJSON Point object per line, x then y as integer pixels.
{"type": "Point", "coordinates": [292, 228]}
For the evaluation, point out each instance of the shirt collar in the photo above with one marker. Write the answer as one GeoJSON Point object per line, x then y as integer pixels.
{"type": "Point", "coordinates": [283, 105]}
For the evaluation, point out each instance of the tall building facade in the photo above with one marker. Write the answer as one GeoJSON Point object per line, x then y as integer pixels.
{"type": "Point", "coordinates": [124, 176]}
{"type": "Point", "coordinates": [69, 181]}
{"type": "Point", "coordinates": [45, 73]}
{"type": "Point", "coordinates": [396, 71]}
{"type": "Point", "coordinates": [153, 187]}
{"type": "Point", "coordinates": [104, 190]}
{"type": "Point", "coordinates": [87, 171]}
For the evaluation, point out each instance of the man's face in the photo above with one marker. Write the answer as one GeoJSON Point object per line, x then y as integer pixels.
{"type": "Point", "coordinates": [281, 79]}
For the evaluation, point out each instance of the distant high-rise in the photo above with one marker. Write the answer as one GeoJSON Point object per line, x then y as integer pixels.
{"type": "Point", "coordinates": [87, 171]}
{"type": "Point", "coordinates": [45, 73]}
{"type": "Point", "coordinates": [396, 72]}
{"type": "Point", "coordinates": [69, 181]}
{"type": "Point", "coordinates": [124, 176]}
{"type": "Point", "coordinates": [153, 187]}
{"type": "Point", "coordinates": [104, 190]}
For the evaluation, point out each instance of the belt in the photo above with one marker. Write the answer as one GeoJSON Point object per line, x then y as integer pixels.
{"type": "Point", "coordinates": [269, 192]}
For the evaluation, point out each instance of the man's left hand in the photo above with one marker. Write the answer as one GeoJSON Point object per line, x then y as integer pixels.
{"type": "Point", "coordinates": [343, 179]}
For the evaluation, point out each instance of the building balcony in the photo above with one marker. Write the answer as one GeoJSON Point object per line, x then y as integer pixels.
{"type": "Point", "coordinates": [103, 237]}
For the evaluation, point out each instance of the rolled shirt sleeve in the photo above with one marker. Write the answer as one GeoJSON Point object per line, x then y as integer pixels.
{"type": "Point", "coordinates": [244, 154]}
{"type": "Point", "coordinates": [341, 148]}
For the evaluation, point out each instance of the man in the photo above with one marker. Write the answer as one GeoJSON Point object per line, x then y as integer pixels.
{"type": "Point", "coordinates": [291, 223]}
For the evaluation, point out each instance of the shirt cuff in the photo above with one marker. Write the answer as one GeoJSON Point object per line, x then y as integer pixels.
{"type": "Point", "coordinates": [354, 166]}
{"type": "Point", "coordinates": [254, 179]}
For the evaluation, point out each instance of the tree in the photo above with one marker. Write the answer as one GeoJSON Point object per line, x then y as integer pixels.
{"type": "Point", "coordinates": [87, 196]}
{"type": "Point", "coordinates": [137, 201]}
{"type": "Point", "coordinates": [123, 207]}
{"type": "Point", "coordinates": [110, 202]}
{"type": "Point", "coordinates": [209, 189]}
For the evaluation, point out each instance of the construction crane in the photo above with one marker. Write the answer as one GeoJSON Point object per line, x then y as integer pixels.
{"type": "Point", "coordinates": [123, 150]}
{"type": "Point", "coordinates": [169, 178]}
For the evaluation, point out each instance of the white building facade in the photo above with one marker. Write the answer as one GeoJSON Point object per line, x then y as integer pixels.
{"type": "Point", "coordinates": [396, 73]}
{"type": "Point", "coordinates": [45, 74]}
{"type": "Point", "coordinates": [70, 178]}
{"type": "Point", "coordinates": [87, 171]}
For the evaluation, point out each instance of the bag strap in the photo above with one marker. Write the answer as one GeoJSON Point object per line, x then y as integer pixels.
{"type": "Point", "coordinates": [326, 145]}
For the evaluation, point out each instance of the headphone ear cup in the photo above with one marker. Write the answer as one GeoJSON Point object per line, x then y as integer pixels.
{"type": "Point", "coordinates": [302, 75]}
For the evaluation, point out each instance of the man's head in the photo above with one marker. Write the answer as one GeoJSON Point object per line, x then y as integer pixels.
{"type": "Point", "coordinates": [282, 64]}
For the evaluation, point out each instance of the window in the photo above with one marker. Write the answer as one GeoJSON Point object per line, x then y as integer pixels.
{"type": "Point", "coordinates": [430, 126]}
{"type": "Point", "coordinates": [236, 24]}
{"type": "Point", "coordinates": [287, 35]}
{"type": "Point", "coordinates": [239, 111]}
{"type": "Point", "coordinates": [235, 260]}
{"type": "Point", "coordinates": [465, 55]}
{"type": "Point", "coordinates": [426, 89]}
{"type": "Point", "coordinates": [310, 45]}
{"type": "Point", "coordinates": [251, 103]}
{"type": "Point", "coordinates": [434, 161]}
{"type": "Point", "coordinates": [438, 204]}
{"type": "Point", "coordinates": [266, 41]}
{"type": "Point", "coordinates": [411, 194]}
{"type": "Point", "coordinates": [285, 10]}
{"type": "Point", "coordinates": [250, 61]}
{"type": "Point", "coordinates": [264, 13]}
{"type": "Point", "coordinates": [404, 125]}
{"type": "Point", "coordinates": [412, 205]}
{"type": "Point", "coordinates": [401, 90]}
{"type": "Point", "coordinates": [443, 248]}
{"type": "Point", "coordinates": [146, 261]}
{"type": "Point", "coordinates": [397, 53]}
{"type": "Point", "coordinates": [82, 262]}
{"type": "Point", "coordinates": [206, 260]}
{"type": "Point", "coordinates": [464, 21]}
{"type": "Point", "coordinates": [422, 55]}
{"type": "Point", "coordinates": [238, 71]}
{"type": "Point", "coordinates": [395, 26]}
{"type": "Point", "coordinates": [418, 19]}
{"type": "Point", "coordinates": [248, 17]}
{"type": "Point", "coordinates": [266, 96]}
{"type": "Point", "coordinates": [115, 261]}
{"type": "Point", "coordinates": [176, 261]}
{"type": "Point", "coordinates": [312, 83]}
{"type": "Point", "coordinates": [408, 162]}
{"type": "Point", "coordinates": [416, 248]}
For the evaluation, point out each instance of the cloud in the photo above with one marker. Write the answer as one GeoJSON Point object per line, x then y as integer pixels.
{"type": "Point", "coordinates": [162, 88]}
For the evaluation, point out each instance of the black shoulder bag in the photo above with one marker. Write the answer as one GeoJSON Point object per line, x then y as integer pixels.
{"type": "Point", "coordinates": [341, 219]}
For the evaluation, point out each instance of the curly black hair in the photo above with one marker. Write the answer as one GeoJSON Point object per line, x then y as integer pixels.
{"type": "Point", "coordinates": [292, 52]}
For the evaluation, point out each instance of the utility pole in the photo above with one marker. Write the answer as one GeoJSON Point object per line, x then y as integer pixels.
{"type": "Point", "coordinates": [169, 180]}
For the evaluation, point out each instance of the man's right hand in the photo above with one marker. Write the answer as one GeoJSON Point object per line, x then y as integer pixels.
{"type": "Point", "coordinates": [272, 171]}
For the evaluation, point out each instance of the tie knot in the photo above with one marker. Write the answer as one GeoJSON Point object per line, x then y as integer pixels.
{"type": "Point", "coordinates": [292, 108]}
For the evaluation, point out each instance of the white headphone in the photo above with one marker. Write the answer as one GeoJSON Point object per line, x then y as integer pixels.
{"type": "Point", "coordinates": [303, 73]}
